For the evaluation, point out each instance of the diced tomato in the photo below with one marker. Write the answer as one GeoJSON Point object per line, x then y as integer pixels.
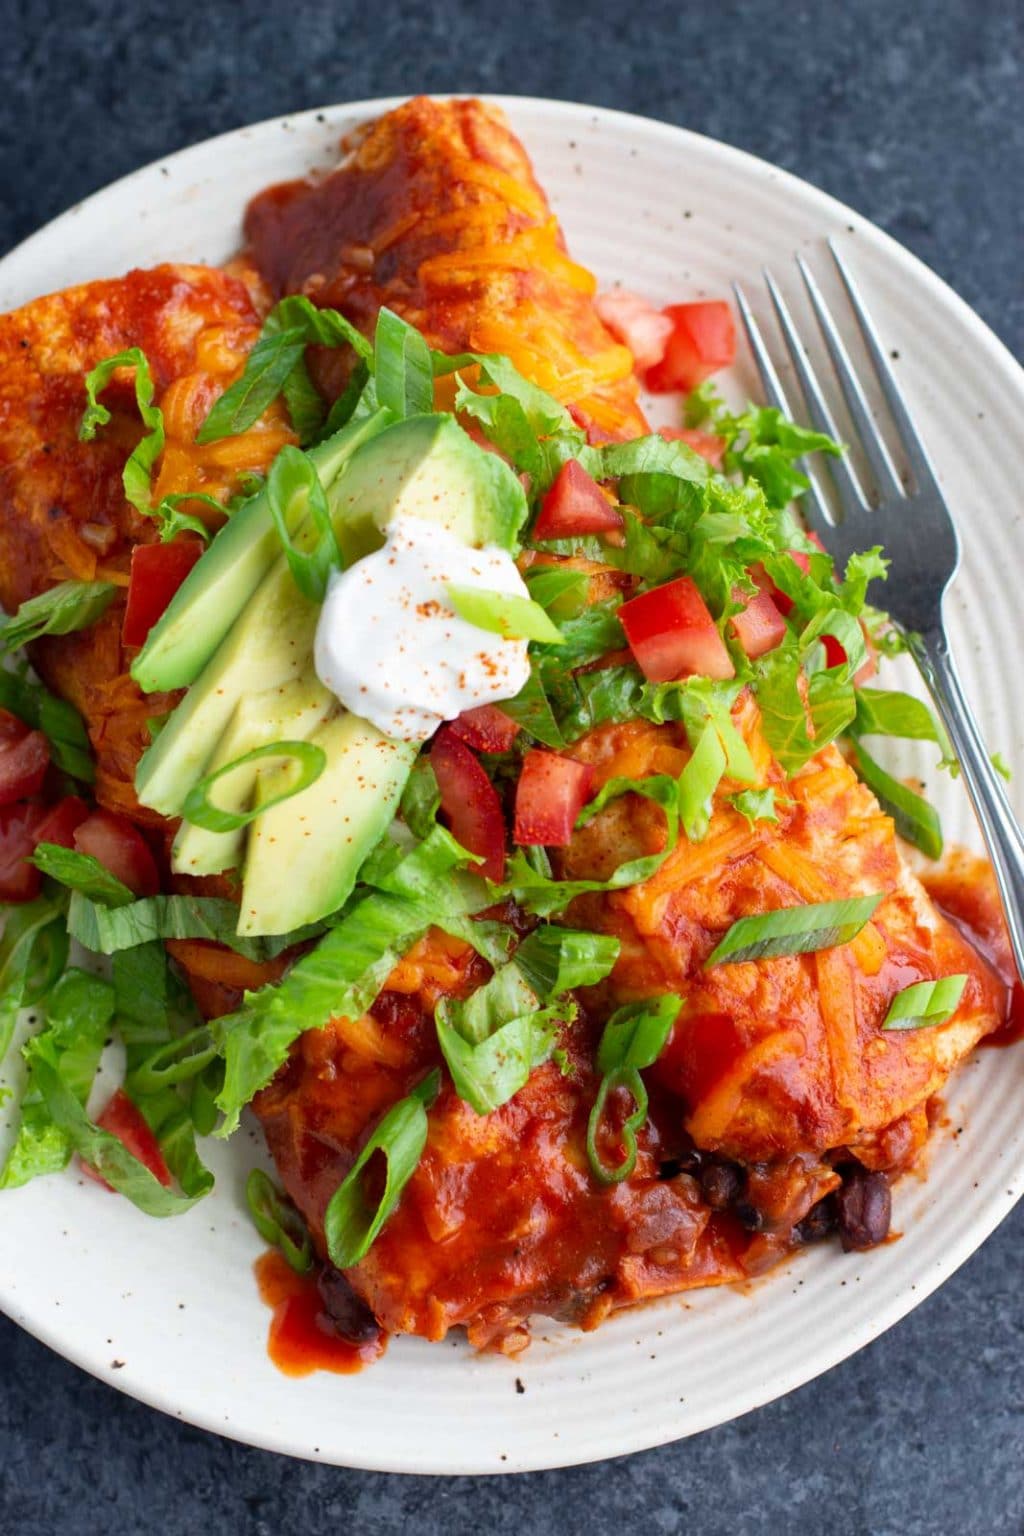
{"type": "Point", "coordinates": [575, 505]}
{"type": "Point", "coordinates": [551, 792]}
{"type": "Point", "coordinates": [158, 570]}
{"type": "Point", "coordinates": [128, 1124]}
{"type": "Point", "coordinates": [121, 849]}
{"type": "Point", "coordinates": [19, 880]}
{"type": "Point", "coordinates": [637, 324]}
{"type": "Point", "coordinates": [707, 444]}
{"type": "Point", "coordinates": [800, 558]}
{"type": "Point", "coordinates": [672, 634]}
{"type": "Point", "coordinates": [469, 802]}
{"type": "Point", "coordinates": [703, 340]}
{"type": "Point", "coordinates": [835, 656]}
{"type": "Point", "coordinates": [486, 728]}
{"type": "Point", "coordinates": [62, 821]}
{"type": "Point", "coordinates": [24, 759]}
{"type": "Point", "coordinates": [760, 627]}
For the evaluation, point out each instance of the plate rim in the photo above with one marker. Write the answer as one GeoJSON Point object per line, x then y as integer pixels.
{"type": "Point", "coordinates": [895, 1307]}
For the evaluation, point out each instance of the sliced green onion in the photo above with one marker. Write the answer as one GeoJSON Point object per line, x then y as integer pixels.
{"type": "Point", "coordinates": [298, 505]}
{"type": "Point", "coordinates": [352, 1221]}
{"type": "Point", "coordinates": [403, 370]}
{"type": "Point", "coordinates": [200, 810]}
{"type": "Point", "coordinates": [925, 1004]}
{"type": "Point", "coordinates": [614, 1173]}
{"type": "Point", "coordinates": [795, 930]}
{"type": "Point", "coordinates": [698, 782]}
{"type": "Point", "coordinates": [634, 1037]}
{"type": "Point", "coordinates": [277, 1221]}
{"type": "Point", "coordinates": [176, 1062]}
{"type": "Point", "coordinates": [916, 820]}
{"type": "Point", "coordinates": [502, 613]}
{"type": "Point", "coordinates": [202, 1102]}
{"type": "Point", "coordinates": [267, 367]}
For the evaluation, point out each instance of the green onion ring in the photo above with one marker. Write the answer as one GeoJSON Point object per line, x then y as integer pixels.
{"type": "Point", "coordinates": [200, 810]}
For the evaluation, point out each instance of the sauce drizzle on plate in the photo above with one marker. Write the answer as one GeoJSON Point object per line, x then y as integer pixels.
{"type": "Point", "coordinates": [302, 1338]}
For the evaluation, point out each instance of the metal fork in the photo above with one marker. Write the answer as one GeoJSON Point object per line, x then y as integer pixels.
{"type": "Point", "coordinates": [919, 537]}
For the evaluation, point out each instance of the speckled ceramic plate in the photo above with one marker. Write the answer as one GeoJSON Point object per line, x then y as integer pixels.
{"type": "Point", "coordinates": [168, 1311]}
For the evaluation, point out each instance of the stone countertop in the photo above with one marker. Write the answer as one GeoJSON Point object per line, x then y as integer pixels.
{"type": "Point", "coordinates": [911, 113]}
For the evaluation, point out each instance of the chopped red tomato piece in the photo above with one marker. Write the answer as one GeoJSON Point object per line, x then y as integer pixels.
{"type": "Point", "coordinates": [707, 444]}
{"type": "Point", "coordinates": [551, 792]}
{"type": "Point", "coordinates": [158, 570]}
{"type": "Point", "coordinates": [486, 728]}
{"type": "Point", "coordinates": [121, 849]}
{"type": "Point", "coordinates": [637, 324]}
{"type": "Point", "coordinates": [575, 505]}
{"type": "Point", "coordinates": [128, 1124]}
{"type": "Point", "coordinates": [703, 340]}
{"type": "Point", "coordinates": [469, 802]}
{"type": "Point", "coordinates": [760, 627]}
{"type": "Point", "coordinates": [835, 656]}
{"type": "Point", "coordinates": [24, 759]}
{"type": "Point", "coordinates": [62, 821]}
{"type": "Point", "coordinates": [800, 558]}
{"type": "Point", "coordinates": [19, 880]}
{"type": "Point", "coordinates": [672, 634]}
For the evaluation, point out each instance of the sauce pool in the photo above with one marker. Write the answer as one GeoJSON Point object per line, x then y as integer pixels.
{"type": "Point", "coordinates": [302, 1338]}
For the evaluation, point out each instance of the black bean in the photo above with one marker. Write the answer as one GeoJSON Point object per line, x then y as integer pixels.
{"type": "Point", "coordinates": [820, 1222]}
{"type": "Point", "coordinates": [349, 1315]}
{"type": "Point", "coordinates": [865, 1210]}
{"type": "Point", "coordinates": [721, 1184]}
{"type": "Point", "coordinates": [749, 1216]}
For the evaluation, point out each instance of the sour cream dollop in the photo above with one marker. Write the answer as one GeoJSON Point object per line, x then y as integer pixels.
{"type": "Point", "coordinates": [390, 646]}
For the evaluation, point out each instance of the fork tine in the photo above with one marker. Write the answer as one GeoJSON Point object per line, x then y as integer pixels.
{"type": "Point", "coordinates": [813, 504]}
{"type": "Point", "coordinates": [917, 458]}
{"type": "Point", "coordinates": [851, 497]}
{"type": "Point", "coordinates": [871, 439]}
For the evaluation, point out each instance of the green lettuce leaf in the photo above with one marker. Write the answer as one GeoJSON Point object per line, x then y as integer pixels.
{"type": "Point", "coordinates": [58, 720]}
{"type": "Point", "coordinates": [78, 1015]}
{"type": "Point", "coordinates": [69, 606]}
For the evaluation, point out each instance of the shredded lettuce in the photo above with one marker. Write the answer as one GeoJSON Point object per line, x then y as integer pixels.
{"type": "Point", "coordinates": [58, 720]}
{"type": "Point", "coordinates": [104, 930]}
{"type": "Point", "coordinates": [33, 953]}
{"type": "Point", "coordinates": [78, 1015]}
{"type": "Point", "coordinates": [71, 605]}
{"type": "Point", "coordinates": [557, 960]}
{"type": "Point", "coordinates": [493, 1040]}
{"type": "Point", "coordinates": [81, 872]}
{"type": "Point", "coordinates": [345, 972]}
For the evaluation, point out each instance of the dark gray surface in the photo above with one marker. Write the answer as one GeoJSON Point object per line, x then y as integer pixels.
{"type": "Point", "coordinates": [911, 110]}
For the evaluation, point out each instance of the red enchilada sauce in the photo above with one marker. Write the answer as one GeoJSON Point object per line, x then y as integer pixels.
{"type": "Point", "coordinates": [964, 888]}
{"type": "Point", "coordinates": [302, 1337]}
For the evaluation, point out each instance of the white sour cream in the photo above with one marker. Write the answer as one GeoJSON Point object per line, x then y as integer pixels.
{"type": "Point", "coordinates": [390, 646]}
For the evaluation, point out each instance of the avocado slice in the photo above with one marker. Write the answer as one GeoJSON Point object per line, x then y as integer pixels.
{"type": "Point", "coordinates": [269, 647]}
{"type": "Point", "coordinates": [291, 712]}
{"type": "Point", "coordinates": [303, 854]}
{"type": "Point", "coordinates": [427, 467]}
{"type": "Point", "coordinates": [220, 584]}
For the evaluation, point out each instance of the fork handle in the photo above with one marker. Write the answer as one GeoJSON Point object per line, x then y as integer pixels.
{"type": "Point", "coordinates": [1000, 828]}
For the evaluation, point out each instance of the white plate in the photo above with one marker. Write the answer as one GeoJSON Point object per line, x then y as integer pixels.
{"type": "Point", "coordinates": [174, 1303]}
